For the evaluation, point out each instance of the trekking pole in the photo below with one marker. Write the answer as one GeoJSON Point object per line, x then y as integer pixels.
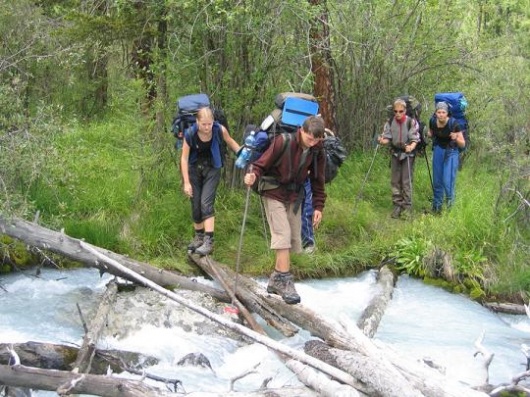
{"type": "Point", "coordinates": [429, 169]}
{"type": "Point", "coordinates": [263, 218]}
{"type": "Point", "coordinates": [359, 195]}
{"type": "Point", "coordinates": [410, 182]}
{"type": "Point", "coordinates": [245, 212]}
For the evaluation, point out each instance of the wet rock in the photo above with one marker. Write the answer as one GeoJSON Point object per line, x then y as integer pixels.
{"type": "Point", "coordinates": [134, 309]}
{"type": "Point", "coordinates": [196, 360]}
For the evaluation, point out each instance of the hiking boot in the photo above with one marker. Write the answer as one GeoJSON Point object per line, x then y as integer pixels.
{"type": "Point", "coordinates": [282, 284]}
{"type": "Point", "coordinates": [310, 249]}
{"type": "Point", "coordinates": [207, 246]}
{"type": "Point", "coordinates": [196, 242]}
{"type": "Point", "coordinates": [406, 213]}
{"type": "Point", "coordinates": [397, 212]}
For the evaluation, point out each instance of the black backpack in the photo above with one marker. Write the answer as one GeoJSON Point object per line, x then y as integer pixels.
{"type": "Point", "coordinates": [186, 118]}
{"type": "Point", "coordinates": [413, 110]}
{"type": "Point", "coordinates": [335, 155]}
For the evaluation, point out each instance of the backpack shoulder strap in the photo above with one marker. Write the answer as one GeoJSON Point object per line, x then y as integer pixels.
{"type": "Point", "coordinates": [190, 135]}
{"type": "Point", "coordinates": [452, 123]}
{"type": "Point", "coordinates": [286, 144]}
{"type": "Point", "coordinates": [217, 129]}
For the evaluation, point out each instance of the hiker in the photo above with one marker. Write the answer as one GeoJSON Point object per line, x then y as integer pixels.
{"type": "Point", "coordinates": [282, 183]}
{"type": "Point", "coordinates": [201, 164]}
{"type": "Point", "coordinates": [448, 140]}
{"type": "Point", "coordinates": [402, 132]}
{"type": "Point", "coordinates": [308, 234]}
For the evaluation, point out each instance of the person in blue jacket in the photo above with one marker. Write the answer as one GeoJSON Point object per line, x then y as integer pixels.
{"type": "Point", "coordinates": [448, 141]}
{"type": "Point", "coordinates": [201, 164]}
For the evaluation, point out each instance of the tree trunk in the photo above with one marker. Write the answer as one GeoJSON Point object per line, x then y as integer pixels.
{"type": "Point", "coordinates": [37, 236]}
{"type": "Point", "coordinates": [321, 64]}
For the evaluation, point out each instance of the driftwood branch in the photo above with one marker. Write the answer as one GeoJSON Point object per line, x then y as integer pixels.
{"type": "Point", "coordinates": [508, 308]}
{"type": "Point", "coordinates": [86, 353]}
{"type": "Point", "coordinates": [488, 357]}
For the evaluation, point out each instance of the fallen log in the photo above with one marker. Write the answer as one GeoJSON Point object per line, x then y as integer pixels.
{"type": "Point", "coordinates": [371, 316]}
{"type": "Point", "coordinates": [319, 382]}
{"type": "Point", "coordinates": [61, 357]}
{"type": "Point", "coordinates": [365, 370]}
{"type": "Point", "coordinates": [86, 353]}
{"type": "Point", "coordinates": [429, 381]}
{"type": "Point", "coordinates": [71, 383]}
{"type": "Point", "coordinates": [508, 308]}
{"type": "Point", "coordinates": [37, 236]}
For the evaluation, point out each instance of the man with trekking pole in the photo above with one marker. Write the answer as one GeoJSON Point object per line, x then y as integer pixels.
{"type": "Point", "coordinates": [402, 133]}
{"type": "Point", "coordinates": [280, 176]}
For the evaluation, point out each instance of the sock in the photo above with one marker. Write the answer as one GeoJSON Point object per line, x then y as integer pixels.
{"type": "Point", "coordinates": [199, 231]}
{"type": "Point", "coordinates": [209, 234]}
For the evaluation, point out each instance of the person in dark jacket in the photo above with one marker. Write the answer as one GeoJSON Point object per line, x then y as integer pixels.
{"type": "Point", "coordinates": [281, 183]}
{"type": "Point", "coordinates": [448, 141]}
{"type": "Point", "coordinates": [402, 132]}
{"type": "Point", "coordinates": [201, 162]}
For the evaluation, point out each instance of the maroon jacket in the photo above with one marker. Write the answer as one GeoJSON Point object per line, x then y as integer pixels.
{"type": "Point", "coordinates": [288, 172]}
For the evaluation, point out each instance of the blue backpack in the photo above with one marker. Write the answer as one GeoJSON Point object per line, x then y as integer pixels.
{"type": "Point", "coordinates": [186, 117]}
{"type": "Point", "coordinates": [457, 103]}
{"type": "Point", "coordinates": [291, 110]}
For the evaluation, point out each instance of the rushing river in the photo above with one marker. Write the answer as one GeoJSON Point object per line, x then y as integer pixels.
{"type": "Point", "coordinates": [421, 321]}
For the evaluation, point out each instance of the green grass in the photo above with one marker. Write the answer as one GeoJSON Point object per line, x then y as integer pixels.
{"type": "Point", "coordinates": [108, 184]}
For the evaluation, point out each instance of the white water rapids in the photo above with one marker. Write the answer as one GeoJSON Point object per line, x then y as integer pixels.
{"type": "Point", "coordinates": [421, 321]}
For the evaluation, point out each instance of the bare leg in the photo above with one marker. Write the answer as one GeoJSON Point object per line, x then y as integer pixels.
{"type": "Point", "coordinates": [283, 260]}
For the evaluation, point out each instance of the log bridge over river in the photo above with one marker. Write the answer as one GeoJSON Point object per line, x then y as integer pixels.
{"type": "Point", "coordinates": [340, 360]}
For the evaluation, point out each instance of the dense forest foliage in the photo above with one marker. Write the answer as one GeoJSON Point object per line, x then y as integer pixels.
{"type": "Point", "coordinates": [88, 91]}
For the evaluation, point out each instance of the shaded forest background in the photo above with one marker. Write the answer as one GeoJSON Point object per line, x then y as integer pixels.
{"type": "Point", "coordinates": [88, 91]}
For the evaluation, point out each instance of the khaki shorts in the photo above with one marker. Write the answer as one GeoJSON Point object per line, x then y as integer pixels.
{"type": "Point", "coordinates": [284, 224]}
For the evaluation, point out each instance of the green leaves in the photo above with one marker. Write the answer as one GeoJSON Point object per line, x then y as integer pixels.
{"type": "Point", "coordinates": [409, 254]}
